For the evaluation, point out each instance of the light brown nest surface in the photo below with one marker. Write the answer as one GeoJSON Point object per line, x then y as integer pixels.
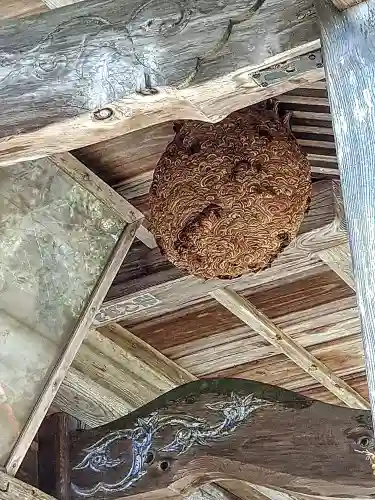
{"type": "Point", "coordinates": [226, 198]}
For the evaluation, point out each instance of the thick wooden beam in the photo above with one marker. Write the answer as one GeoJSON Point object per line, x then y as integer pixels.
{"type": "Point", "coordinates": [268, 330]}
{"type": "Point", "coordinates": [226, 429]}
{"type": "Point", "coordinates": [96, 70]}
{"type": "Point", "coordinates": [350, 78]}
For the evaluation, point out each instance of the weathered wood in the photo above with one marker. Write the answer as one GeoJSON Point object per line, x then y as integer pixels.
{"type": "Point", "coordinates": [277, 337]}
{"type": "Point", "coordinates": [19, 8]}
{"type": "Point", "coordinates": [345, 4]}
{"type": "Point", "coordinates": [57, 374]}
{"type": "Point", "coordinates": [238, 346]}
{"type": "Point", "coordinates": [339, 260]}
{"type": "Point", "coordinates": [14, 489]}
{"type": "Point", "coordinates": [54, 470]}
{"type": "Point", "coordinates": [92, 183]}
{"type": "Point", "coordinates": [141, 77]}
{"type": "Point", "coordinates": [343, 356]}
{"type": "Point", "coordinates": [319, 230]}
{"type": "Point", "coordinates": [353, 102]}
{"type": "Point", "coordinates": [133, 370]}
{"type": "Point", "coordinates": [226, 429]}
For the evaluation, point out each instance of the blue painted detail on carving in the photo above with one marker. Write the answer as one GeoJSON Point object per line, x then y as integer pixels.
{"type": "Point", "coordinates": [190, 431]}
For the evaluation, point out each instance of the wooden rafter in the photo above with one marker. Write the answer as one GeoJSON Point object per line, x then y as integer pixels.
{"type": "Point", "coordinates": [298, 354]}
{"type": "Point", "coordinates": [339, 260]}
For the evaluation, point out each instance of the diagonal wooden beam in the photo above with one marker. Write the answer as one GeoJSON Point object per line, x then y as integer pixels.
{"type": "Point", "coordinates": [57, 374]}
{"type": "Point", "coordinates": [102, 191]}
{"type": "Point", "coordinates": [339, 260]}
{"type": "Point", "coordinates": [256, 320]}
{"type": "Point", "coordinates": [132, 86]}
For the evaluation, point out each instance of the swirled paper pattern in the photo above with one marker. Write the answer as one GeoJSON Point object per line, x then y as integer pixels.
{"type": "Point", "coordinates": [226, 198]}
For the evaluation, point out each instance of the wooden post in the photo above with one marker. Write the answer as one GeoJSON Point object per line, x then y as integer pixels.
{"type": "Point", "coordinates": [348, 40]}
{"type": "Point", "coordinates": [53, 441]}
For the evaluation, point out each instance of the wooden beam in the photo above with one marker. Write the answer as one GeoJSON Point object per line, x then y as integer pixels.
{"type": "Point", "coordinates": [14, 489]}
{"type": "Point", "coordinates": [147, 375]}
{"type": "Point", "coordinates": [353, 114]}
{"type": "Point", "coordinates": [346, 4]}
{"type": "Point", "coordinates": [339, 260]}
{"type": "Point", "coordinates": [320, 229]}
{"type": "Point", "coordinates": [227, 429]}
{"type": "Point", "coordinates": [67, 355]}
{"type": "Point", "coordinates": [102, 191]}
{"type": "Point", "coordinates": [277, 337]}
{"type": "Point", "coordinates": [141, 80]}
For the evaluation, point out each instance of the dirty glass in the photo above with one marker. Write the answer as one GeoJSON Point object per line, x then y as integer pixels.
{"type": "Point", "coordinates": [55, 239]}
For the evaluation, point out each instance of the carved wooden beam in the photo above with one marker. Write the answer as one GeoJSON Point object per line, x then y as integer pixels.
{"type": "Point", "coordinates": [225, 429]}
{"type": "Point", "coordinates": [98, 69]}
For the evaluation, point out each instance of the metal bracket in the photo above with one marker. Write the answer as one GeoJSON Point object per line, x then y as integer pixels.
{"type": "Point", "coordinates": [284, 71]}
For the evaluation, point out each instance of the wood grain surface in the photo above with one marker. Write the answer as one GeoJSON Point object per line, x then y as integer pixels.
{"type": "Point", "coordinates": [352, 103]}
{"type": "Point", "coordinates": [12, 488]}
{"type": "Point", "coordinates": [129, 59]}
{"type": "Point", "coordinates": [339, 260]}
{"type": "Point", "coordinates": [243, 430]}
{"type": "Point", "coordinates": [282, 341]}
{"type": "Point", "coordinates": [345, 4]}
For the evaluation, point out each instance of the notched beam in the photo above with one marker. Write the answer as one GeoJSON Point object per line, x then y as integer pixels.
{"type": "Point", "coordinates": [226, 429]}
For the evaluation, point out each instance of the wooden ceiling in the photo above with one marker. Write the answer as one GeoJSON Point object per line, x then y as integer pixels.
{"type": "Point", "coordinates": [169, 330]}
{"type": "Point", "coordinates": [301, 294]}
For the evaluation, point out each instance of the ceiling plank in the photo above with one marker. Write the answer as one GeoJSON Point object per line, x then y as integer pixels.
{"type": "Point", "coordinates": [147, 85]}
{"type": "Point", "coordinates": [339, 260]}
{"type": "Point", "coordinates": [277, 337]}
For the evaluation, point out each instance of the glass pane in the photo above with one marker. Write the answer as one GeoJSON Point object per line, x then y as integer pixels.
{"type": "Point", "coordinates": [55, 239]}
